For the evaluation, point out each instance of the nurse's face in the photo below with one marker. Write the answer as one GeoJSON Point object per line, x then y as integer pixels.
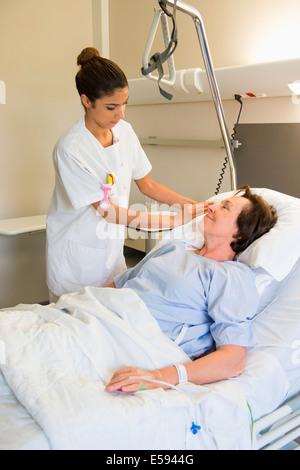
{"type": "Point", "coordinates": [221, 220]}
{"type": "Point", "coordinates": [107, 111]}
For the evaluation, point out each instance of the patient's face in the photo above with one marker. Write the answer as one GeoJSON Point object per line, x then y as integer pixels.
{"type": "Point", "coordinates": [220, 221]}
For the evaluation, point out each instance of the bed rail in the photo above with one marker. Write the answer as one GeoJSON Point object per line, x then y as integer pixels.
{"type": "Point", "coordinates": [280, 429]}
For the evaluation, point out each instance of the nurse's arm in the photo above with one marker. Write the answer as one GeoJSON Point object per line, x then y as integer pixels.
{"type": "Point", "coordinates": [136, 219]}
{"type": "Point", "coordinates": [161, 193]}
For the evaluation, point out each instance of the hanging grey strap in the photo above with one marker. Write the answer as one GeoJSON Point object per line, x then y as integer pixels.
{"type": "Point", "coordinates": [157, 60]}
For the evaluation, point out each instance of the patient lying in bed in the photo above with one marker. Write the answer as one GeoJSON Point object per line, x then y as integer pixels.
{"type": "Point", "coordinates": [202, 299]}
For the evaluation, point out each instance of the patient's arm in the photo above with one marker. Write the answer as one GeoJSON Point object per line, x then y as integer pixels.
{"type": "Point", "coordinates": [112, 284]}
{"type": "Point", "coordinates": [226, 362]}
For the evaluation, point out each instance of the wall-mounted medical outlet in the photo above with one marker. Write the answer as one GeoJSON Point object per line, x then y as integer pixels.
{"type": "Point", "coordinates": [188, 81]}
{"type": "Point", "coordinates": [251, 94]}
{"type": "Point", "coordinates": [2, 92]}
{"type": "Point", "coordinates": [259, 80]}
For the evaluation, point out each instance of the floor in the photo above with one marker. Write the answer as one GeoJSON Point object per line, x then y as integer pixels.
{"type": "Point", "coordinates": [132, 256]}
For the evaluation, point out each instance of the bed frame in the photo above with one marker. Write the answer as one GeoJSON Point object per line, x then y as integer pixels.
{"type": "Point", "coordinates": [280, 429]}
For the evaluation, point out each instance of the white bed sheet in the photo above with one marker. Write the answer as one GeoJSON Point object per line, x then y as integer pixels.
{"type": "Point", "coordinates": [271, 374]}
{"type": "Point", "coordinates": [56, 370]}
{"type": "Point", "coordinates": [18, 430]}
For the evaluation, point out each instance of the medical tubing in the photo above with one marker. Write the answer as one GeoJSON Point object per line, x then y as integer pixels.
{"type": "Point", "coordinates": [182, 377]}
{"type": "Point", "coordinates": [194, 428]}
{"type": "Point", "coordinates": [221, 176]}
{"type": "Point", "coordinates": [174, 387]}
{"type": "Point", "coordinates": [150, 379]}
{"type": "Point", "coordinates": [239, 99]}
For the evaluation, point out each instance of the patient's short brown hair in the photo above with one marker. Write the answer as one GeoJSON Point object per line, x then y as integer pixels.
{"type": "Point", "coordinates": [253, 221]}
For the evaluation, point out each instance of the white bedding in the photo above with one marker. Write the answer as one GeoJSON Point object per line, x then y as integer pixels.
{"type": "Point", "coordinates": [18, 430]}
{"type": "Point", "coordinates": [271, 374]}
{"type": "Point", "coordinates": [57, 366]}
{"type": "Point", "coordinates": [273, 367]}
{"type": "Point", "coordinates": [56, 372]}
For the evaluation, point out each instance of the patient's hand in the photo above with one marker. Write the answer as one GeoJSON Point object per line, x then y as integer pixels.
{"type": "Point", "coordinates": [132, 380]}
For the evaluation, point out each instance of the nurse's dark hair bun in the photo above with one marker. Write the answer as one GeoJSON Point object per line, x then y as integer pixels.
{"type": "Point", "coordinates": [85, 56]}
{"type": "Point", "coordinates": [98, 76]}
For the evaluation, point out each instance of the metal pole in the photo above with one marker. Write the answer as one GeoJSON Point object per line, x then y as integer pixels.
{"type": "Point", "coordinates": [191, 11]}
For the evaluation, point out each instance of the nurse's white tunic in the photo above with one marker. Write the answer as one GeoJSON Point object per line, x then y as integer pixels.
{"type": "Point", "coordinates": [82, 248]}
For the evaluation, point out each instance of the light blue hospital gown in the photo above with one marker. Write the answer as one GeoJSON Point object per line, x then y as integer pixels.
{"type": "Point", "coordinates": [214, 300]}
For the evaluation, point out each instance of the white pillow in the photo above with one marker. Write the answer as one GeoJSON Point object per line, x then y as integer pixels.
{"type": "Point", "coordinates": [277, 251]}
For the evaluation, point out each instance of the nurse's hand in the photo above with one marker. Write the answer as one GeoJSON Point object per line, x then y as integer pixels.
{"type": "Point", "coordinates": [190, 212]}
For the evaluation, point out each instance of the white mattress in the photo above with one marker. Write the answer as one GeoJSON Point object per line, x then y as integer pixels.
{"type": "Point", "coordinates": [271, 374]}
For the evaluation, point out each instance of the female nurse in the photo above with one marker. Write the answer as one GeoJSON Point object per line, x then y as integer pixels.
{"type": "Point", "coordinates": [94, 164]}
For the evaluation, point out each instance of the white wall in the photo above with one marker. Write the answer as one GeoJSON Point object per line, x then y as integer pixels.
{"type": "Point", "coordinates": [39, 43]}
{"type": "Point", "coordinates": [196, 171]}
{"type": "Point", "coordinates": [239, 32]}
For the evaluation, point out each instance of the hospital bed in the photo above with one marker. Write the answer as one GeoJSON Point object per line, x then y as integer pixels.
{"type": "Point", "coordinates": [62, 404]}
